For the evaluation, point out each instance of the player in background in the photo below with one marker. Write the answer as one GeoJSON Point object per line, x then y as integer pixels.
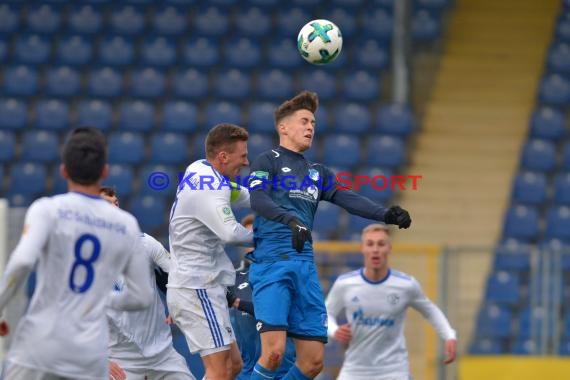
{"type": "Point", "coordinates": [243, 320]}
{"type": "Point", "coordinates": [201, 223]}
{"type": "Point", "coordinates": [375, 299]}
{"type": "Point", "coordinates": [140, 342]}
{"type": "Point", "coordinates": [285, 190]}
{"type": "Point", "coordinates": [81, 244]}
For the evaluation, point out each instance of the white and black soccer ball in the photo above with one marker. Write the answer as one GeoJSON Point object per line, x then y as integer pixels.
{"type": "Point", "coordinates": [319, 42]}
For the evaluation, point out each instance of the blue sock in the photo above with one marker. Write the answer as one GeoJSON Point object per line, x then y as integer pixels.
{"type": "Point", "coordinates": [295, 374]}
{"type": "Point", "coordinates": [260, 373]}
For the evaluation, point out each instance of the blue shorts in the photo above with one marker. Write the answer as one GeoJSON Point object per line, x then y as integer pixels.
{"type": "Point", "coordinates": [287, 295]}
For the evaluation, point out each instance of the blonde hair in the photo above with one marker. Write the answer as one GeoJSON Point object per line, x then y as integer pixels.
{"type": "Point", "coordinates": [376, 227]}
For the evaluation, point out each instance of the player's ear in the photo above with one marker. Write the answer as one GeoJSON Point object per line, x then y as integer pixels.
{"type": "Point", "coordinates": [63, 172]}
{"type": "Point", "coordinates": [105, 171]}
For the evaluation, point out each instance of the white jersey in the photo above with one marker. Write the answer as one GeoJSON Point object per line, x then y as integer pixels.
{"type": "Point", "coordinates": [144, 333]}
{"type": "Point", "coordinates": [376, 312]}
{"type": "Point", "coordinates": [201, 223]}
{"type": "Point", "coordinates": [81, 244]}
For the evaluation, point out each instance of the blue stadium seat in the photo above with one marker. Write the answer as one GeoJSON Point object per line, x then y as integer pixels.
{"type": "Point", "coordinates": [62, 81]}
{"type": "Point", "coordinates": [40, 146]}
{"type": "Point", "coordinates": [385, 151]}
{"type": "Point", "coordinates": [85, 19]}
{"type": "Point", "coordinates": [158, 51]}
{"type": "Point", "coordinates": [274, 85]}
{"type": "Point", "coordinates": [96, 113]}
{"type": "Point", "coordinates": [283, 54]}
{"type": "Point", "coordinates": [149, 211]}
{"type": "Point", "coordinates": [562, 189]}
{"type": "Point", "coordinates": [126, 148]}
{"type": "Point", "coordinates": [222, 112]}
{"type": "Point", "coordinates": [566, 156]}
{"type": "Point", "coordinates": [13, 114]}
{"type": "Point", "coordinates": [558, 60]}
{"type": "Point", "coordinates": [563, 30]}
{"type": "Point", "coordinates": [378, 23]}
{"type": "Point", "coordinates": [158, 180]}
{"type": "Point", "coordinates": [510, 246]}
{"type": "Point", "coordinates": [566, 324]}
{"type": "Point", "coordinates": [361, 86]}
{"type": "Point", "coordinates": [352, 118]}
{"type": "Point", "coordinates": [503, 288]}
{"type": "Point", "coordinates": [121, 178]}
{"type": "Point", "coordinates": [9, 18]}
{"type": "Point", "coordinates": [52, 114]}
{"type": "Point", "coordinates": [7, 148]}
{"type": "Point", "coordinates": [116, 51]}
{"type": "Point", "coordinates": [554, 90]}
{"type": "Point", "coordinates": [381, 186]}
{"type": "Point", "coordinates": [539, 155]}
{"type": "Point", "coordinates": [348, 3]}
{"type": "Point", "coordinates": [198, 150]}
{"type": "Point", "coordinates": [290, 20]}
{"type": "Point", "coordinates": [259, 143]}
{"type": "Point", "coordinates": [59, 185]}
{"type": "Point", "coordinates": [211, 21]}
{"type": "Point", "coordinates": [341, 150]}
{"type": "Point", "coordinates": [432, 4]}
{"type": "Point", "coordinates": [322, 118]}
{"type": "Point", "coordinates": [232, 84]}
{"type": "Point", "coordinates": [169, 20]}
{"type": "Point", "coordinates": [191, 84]}
{"type": "Point", "coordinates": [547, 123]}
{"type": "Point", "coordinates": [425, 26]}
{"type": "Point", "coordinates": [105, 82]}
{"type": "Point", "coordinates": [494, 321]}
{"type": "Point", "coordinates": [344, 18]}
{"type": "Point", "coordinates": [253, 22]}
{"type": "Point", "coordinates": [32, 49]}
{"type": "Point", "coordinates": [395, 119]}
{"type": "Point", "coordinates": [371, 56]}
{"type": "Point", "coordinates": [27, 178]}
{"type": "Point", "coordinates": [356, 223]}
{"type": "Point", "coordinates": [169, 148]}
{"type": "Point", "coordinates": [20, 200]}
{"type": "Point", "coordinates": [20, 80]}
{"type": "Point", "coordinates": [74, 50]}
{"type": "Point", "coordinates": [320, 81]}
{"type": "Point", "coordinates": [3, 50]}
{"type": "Point", "coordinates": [201, 52]}
{"type": "Point", "coordinates": [136, 116]}
{"type": "Point", "coordinates": [521, 222]}
{"type": "Point", "coordinates": [564, 348]}
{"type": "Point", "coordinates": [242, 53]}
{"type": "Point", "coordinates": [558, 223]}
{"type": "Point", "coordinates": [43, 18]}
{"type": "Point", "coordinates": [127, 20]}
{"type": "Point", "coordinates": [531, 321]}
{"type": "Point", "coordinates": [327, 218]}
{"type": "Point", "coordinates": [179, 116]}
{"type": "Point", "coordinates": [261, 117]}
{"type": "Point", "coordinates": [525, 347]}
{"type": "Point", "coordinates": [264, 3]}
{"type": "Point", "coordinates": [515, 261]}
{"type": "Point", "coordinates": [530, 188]}
{"type": "Point", "coordinates": [486, 346]}
{"type": "Point", "coordinates": [147, 83]}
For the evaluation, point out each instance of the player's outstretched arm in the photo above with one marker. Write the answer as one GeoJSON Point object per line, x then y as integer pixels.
{"type": "Point", "coordinates": [450, 351]}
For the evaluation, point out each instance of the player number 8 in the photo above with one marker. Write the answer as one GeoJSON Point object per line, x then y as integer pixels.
{"type": "Point", "coordinates": [86, 263]}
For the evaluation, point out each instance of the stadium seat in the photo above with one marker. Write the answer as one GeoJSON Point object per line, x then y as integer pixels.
{"type": "Point", "coordinates": [432, 4]}
{"type": "Point", "coordinates": [348, 3]}
{"type": "Point", "coordinates": [147, 83]}
{"type": "Point", "coordinates": [19, 200]}
{"type": "Point", "coordinates": [274, 85]}
{"type": "Point", "coordinates": [486, 346]}
{"type": "Point", "coordinates": [352, 118]}
{"type": "Point", "coordinates": [149, 211]}
{"type": "Point", "coordinates": [96, 113]}
{"type": "Point", "coordinates": [385, 151]}
{"type": "Point", "coordinates": [515, 261]}
{"type": "Point", "coordinates": [327, 218]}
{"type": "Point", "coordinates": [105, 82]}
{"type": "Point", "coordinates": [191, 84]}
{"type": "Point", "coordinates": [378, 23]}
{"type": "Point", "coordinates": [425, 26]}
{"type": "Point", "coordinates": [13, 114]}
{"type": "Point", "coordinates": [211, 21]}
{"type": "Point", "coordinates": [85, 19]}
{"type": "Point", "coordinates": [371, 56]}
{"type": "Point", "coordinates": [562, 189]}
{"type": "Point", "coordinates": [395, 119]}
{"type": "Point", "coordinates": [530, 188]}
{"type": "Point", "coordinates": [558, 59]}
{"type": "Point", "coordinates": [222, 112]}
{"type": "Point", "coordinates": [521, 222]}
{"type": "Point", "coordinates": [179, 116]}
{"type": "Point", "coordinates": [322, 118]}
{"type": "Point", "coordinates": [525, 347]}
{"type": "Point", "coordinates": [121, 178]}
{"type": "Point", "coordinates": [28, 179]}
{"type": "Point", "coordinates": [3, 50]}
{"type": "Point", "coordinates": [158, 180]}
{"type": "Point", "coordinates": [539, 155]}
{"type": "Point", "coordinates": [126, 148]}
{"type": "Point", "coordinates": [201, 52]}
{"type": "Point", "coordinates": [32, 49]}
{"type": "Point", "coordinates": [320, 81]}
{"type": "Point", "coordinates": [9, 18]}
{"type": "Point", "coordinates": [40, 146]}
{"type": "Point", "coordinates": [361, 86]}
{"type": "Point", "coordinates": [257, 144]}
{"type": "Point", "coordinates": [261, 117]}
{"type": "Point", "coordinates": [136, 116]}
{"type": "Point", "coordinates": [564, 348]}
{"type": "Point", "coordinates": [554, 90]}
{"type": "Point", "coordinates": [558, 223]}
{"type": "Point", "coordinates": [158, 51]}
{"type": "Point", "coordinates": [344, 18]}
{"type": "Point", "coordinates": [7, 148]}
{"type": "Point", "coordinates": [62, 81]}
{"type": "Point", "coordinates": [169, 20]}
{"type": "Point", "coordinates": [290, 20]}
{"type": "Point", "coordinates": [531, 322]}
{"type": "Point", "coordinates": [565, 156]}
{"type": "Point", "coordinates": [253, 22]}
{"type": "Point", "coordinates": [547, 123]}
{"type": "Point", "coordinates": [283, 54]}
{"type": "Point", "coordinates": [494, 321]}
{"type": "Point", "coordinates": [116, 51]}
{"type": "Point", "coordinates": [169, 148]}
{"type": "Point", "coordinates": [356, 223]}
{"type": "Point", "coordinates": [503, 288]}
{"type": "Point", "coordinates": [242, 53]}
{"type": "Point", "coordinates": [232, 84]}
{"type": "Point", "coordinates": [127, 20]}
{"type": "Point", "coordinates": [74, 50]}
{"type": "Point", "coordinates": [198, 147]}
{"type": "Point", "coordinates": [43, 18]}
{"type": "Point", "coordinates": [341, 150]}
{"type": "Point", "coordinates": [20, 80]}
{"type": "Point", "coordinates": [381, 187]}
{"type": "Point", "coordinates": [52, 114]}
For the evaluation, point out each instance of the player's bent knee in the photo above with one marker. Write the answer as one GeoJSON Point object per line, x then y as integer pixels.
{"type": "Point", "coordinates": [237, 366]}
{"type": "Point", "coordinates": [311, 368]}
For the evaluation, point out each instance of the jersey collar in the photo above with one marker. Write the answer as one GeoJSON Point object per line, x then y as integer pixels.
{"type": "Point", "coordinates": [374, 282]}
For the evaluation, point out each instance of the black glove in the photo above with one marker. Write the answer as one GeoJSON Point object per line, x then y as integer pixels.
{"type": "Point", "coordinates": [230, 296]}
{"type": "Point", "coordinates": [398, 216]}
{"type": "Point", "coordinates": [300, 234]}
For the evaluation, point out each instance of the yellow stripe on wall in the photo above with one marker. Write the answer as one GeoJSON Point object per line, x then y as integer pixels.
{"type": "Point", "coordinates": [514, 368]}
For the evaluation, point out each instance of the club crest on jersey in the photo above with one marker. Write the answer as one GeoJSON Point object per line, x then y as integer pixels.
{"type": "Point", "coordinates": [393, 298]}
{"type": "Point", "coordinates": [314, 174]}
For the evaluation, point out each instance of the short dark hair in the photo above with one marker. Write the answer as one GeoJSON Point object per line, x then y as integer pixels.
{"type": "Point", "coordinates": [222, 136]}
{"type": "Point", "coordinates": [108, 191]}
{"type": "Point", "coordinates": [305, 100]}
{"type": "Point", "coordinates": [84, 155]}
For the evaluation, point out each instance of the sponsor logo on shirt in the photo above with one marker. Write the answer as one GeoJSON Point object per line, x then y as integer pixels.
{"type": "Point", "coordinates": [359, 318]}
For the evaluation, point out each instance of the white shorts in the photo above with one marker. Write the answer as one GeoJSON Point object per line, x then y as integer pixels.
{"type": "Point", "coordinates": [204, 318]}
{"type": "Point", "coordinates": [14, 371]}
{"type": "Point", "coordinates": [167, 365]}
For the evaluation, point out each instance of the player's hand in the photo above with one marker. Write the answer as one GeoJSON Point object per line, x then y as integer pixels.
{"type": "Point", "coordinates": [169, 320]}
{"type": "Point", "coordinates": [300, 234]}
{"type": "Point", "coordinates": [231, 297]}
{"type": "Point", "coordinates": [343, 334]}
{"type": "Point", "coordinates": [116, 372]}
{"type": "Point", "coordinates": [450, 351]}
{"type": "Point", "coordinates": [4, 328]}
{"type": "Point", "coordinates": [398, 216]}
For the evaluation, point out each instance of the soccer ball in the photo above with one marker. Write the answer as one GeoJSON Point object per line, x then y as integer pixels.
{"type": "Point", "coordinates": [319, 42]}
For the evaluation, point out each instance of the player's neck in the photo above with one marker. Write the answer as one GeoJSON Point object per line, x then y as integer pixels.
{"type": "Point", "coordinates": [289, 145]}
{"type": "Point", "coordinates": [85, 189]}
{"type": "Point", "coordinates": [375, 274]}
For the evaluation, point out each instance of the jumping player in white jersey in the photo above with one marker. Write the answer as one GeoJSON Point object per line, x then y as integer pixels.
{"type": "Point", "coordinates": [140, 342]}
{"type": "Point", "coordinates": [201, 222]}
{"type": "Point", "coordinates": [375, 299]}
{"type": "Point", "coordinates": [81, 244]}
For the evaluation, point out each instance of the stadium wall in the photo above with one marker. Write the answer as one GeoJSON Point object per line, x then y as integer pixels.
{"type": "Point", "coordinates": [514, 368]}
